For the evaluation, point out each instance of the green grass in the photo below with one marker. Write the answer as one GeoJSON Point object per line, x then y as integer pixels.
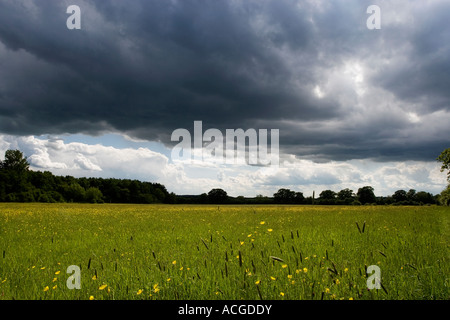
{"type": "Point", "coordinates": [223, 252]}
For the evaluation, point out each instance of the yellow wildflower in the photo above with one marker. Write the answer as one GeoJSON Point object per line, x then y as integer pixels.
{"type": "Point", "coordinates": [262, 222]}
{"type": "Point", "coordinates": [273, 278]}
{"type": "Point", "coordinates": [91, 298]}
{"type": "Point", "coordinates": [139, 291]}
{"type": "Point", "coordinates": [174, 262]}
{"type": "Point", "coordinates": [282, 294]}
{"type": "Point", "coordinates": [54, 279]}
{"type": "Point", "coordinates": [257, 282]}
{"type": "Point", "coordinates": [270, 230]}
{"type": "Point", "coordinates": [305, 270]}
{"type": "Point", "coordinates": [54, 287]}
{"type": "Point", "coordinates": [57, 272]}
{"type": "Point", "coordinates": [284, 266]}
{"type": "Point", "coordinates": [46, 288]}
{"type": "Point", "coordinates": [102, 287]}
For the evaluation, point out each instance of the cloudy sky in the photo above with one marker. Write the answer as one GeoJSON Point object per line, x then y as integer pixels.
{"type": "Point", "coordinates": [353, 106]}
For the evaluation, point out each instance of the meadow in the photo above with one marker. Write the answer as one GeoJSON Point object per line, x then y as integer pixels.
{"type": "Point", "coordinates": [223, 252]}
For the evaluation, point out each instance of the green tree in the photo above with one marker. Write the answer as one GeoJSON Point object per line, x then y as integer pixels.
{"type": "Point", "coordinates": [400, 195]}
{"type": "Point", "coordinates": [299, 198]}
{"type": "Point", "coordinates": [345, 194]}
{"type": "Point", "coordinates": [15, 160]}
{"type": "Point", "coordinates": [444, 157]}
{"type": "Point", "coordinates": [14, 176]}
{"type": "Point", "coordinates": [284, 196]}
{"type": "Point", "coordinates": [424, 197]}
{"type": "Point", "coordinates": [366, 195]}
{"type": "Point", "coordinates": [444, 197]}
{"type": "Point", "coordinates": [217, 196]}
{"type": "Point", "coordinates": [94, 195]}
{"type": "Point", "coordinates": [75, 193]}
{"type": "Point", "coordinates": [411, 195]}
{"type": "Point", "coordinates": [327, 195]}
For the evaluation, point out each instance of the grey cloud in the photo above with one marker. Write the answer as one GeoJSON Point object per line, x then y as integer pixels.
{"type": "Point", "coordinates": [145, 68]}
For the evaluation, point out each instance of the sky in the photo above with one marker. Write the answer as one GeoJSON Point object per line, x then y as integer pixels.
{"type": "Point", "coordinates": [354, 106]}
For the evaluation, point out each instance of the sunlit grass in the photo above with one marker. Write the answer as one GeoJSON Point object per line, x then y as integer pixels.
{"type": "Point", "coordinates": [222, 252]}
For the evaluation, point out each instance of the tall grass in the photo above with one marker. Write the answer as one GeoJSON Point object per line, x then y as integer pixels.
{"type": "Point", "coordinates": [226, 252]}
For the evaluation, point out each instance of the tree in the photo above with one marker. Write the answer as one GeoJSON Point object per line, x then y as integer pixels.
{"type": "Point", "coordinates": [217, 196]}
{"type": "Point", "coordinates": [366, 195]}
{"type": "Point", "coordinates": [14, 160]}
{"type": "Point", "coordinates": [444, 157]}
{"type": "Point", "coordinates": [75, 193]}
{"type": "Point", "coordinates": [411, 194]}
{"type": "Point", "coordinates": [424, 197]}
{"type": "Point", "coordinates": [327, 194]}
{"type": "Point", "coordinates": [327, 197]}
{"type": "Point", "coordinates": [345, 194]}
{"type": "Point", "coordinates": [400, 195]}
{"type": "Point", "coordinates": [299, 198]}
{"type": "Point", "coordinates": [284, 196]}
{"type": "Point", "coordinates": [14, 175]}
{"type": "Point", "coordinates": [444, 197]}
{"type": "Point", "coordinates": [94, 195]}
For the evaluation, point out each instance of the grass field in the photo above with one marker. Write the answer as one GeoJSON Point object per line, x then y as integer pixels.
{"type": "Point", "coordinates": [223, 252]}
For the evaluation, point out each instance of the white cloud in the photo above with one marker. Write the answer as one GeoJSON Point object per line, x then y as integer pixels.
{"type": "Point", "coordinates": [85, 163]}
{"type": "Point", "coordinates": [41, 159]}
{"type": "Point", "coordinates": [87, 160]}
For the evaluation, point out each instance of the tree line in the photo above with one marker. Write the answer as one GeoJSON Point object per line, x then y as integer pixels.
{"type": "Point", "coordinates": [20, 184]}
{"type": "Point", "coordinates": [363, 196]}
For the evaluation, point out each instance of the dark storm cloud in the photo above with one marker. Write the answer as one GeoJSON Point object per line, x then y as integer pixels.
{"type": "Point", "coordinates": [148, 67]}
